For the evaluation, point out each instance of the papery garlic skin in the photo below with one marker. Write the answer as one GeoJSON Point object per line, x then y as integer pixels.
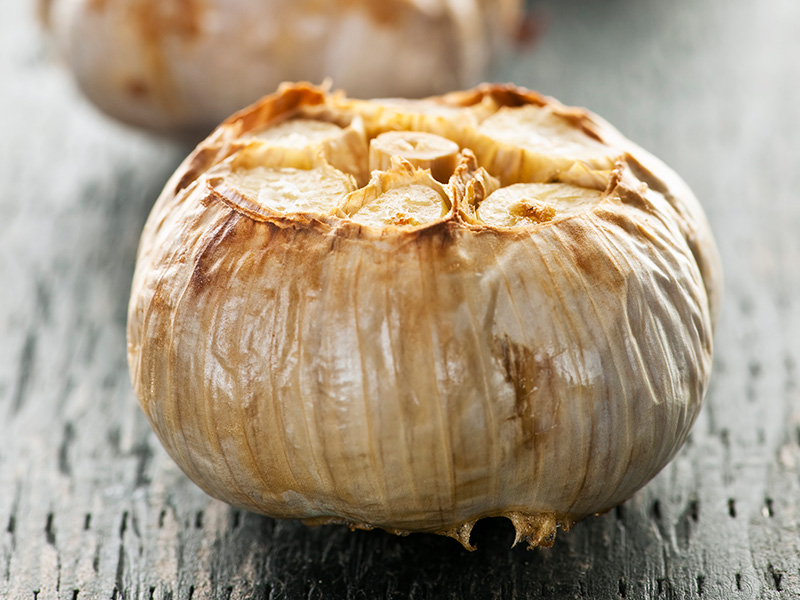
{"type": "Point", "coordinates": [184, 66]}
{"type": "Point", "coordinates": [419, 376]}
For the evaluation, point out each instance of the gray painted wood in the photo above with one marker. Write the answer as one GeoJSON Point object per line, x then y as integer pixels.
{"type": "Point", "coordinates": [90, 505]}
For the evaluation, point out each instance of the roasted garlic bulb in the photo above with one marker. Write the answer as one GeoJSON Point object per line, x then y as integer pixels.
{"type": "Point", "coordinates": [415, 314]}
{"type": "Point", "coordinates": [184, 66]}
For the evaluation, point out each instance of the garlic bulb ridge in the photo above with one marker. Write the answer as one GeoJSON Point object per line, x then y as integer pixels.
{"type": "Point", "coordinates": [415, 314]}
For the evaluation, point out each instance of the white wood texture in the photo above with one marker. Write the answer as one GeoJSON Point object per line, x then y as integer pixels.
{"type": "Point", "coordinates": [90, 505]}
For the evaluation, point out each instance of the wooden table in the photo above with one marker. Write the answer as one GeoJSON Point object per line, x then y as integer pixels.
{"type": "Point", "coordinates": [91, 506]}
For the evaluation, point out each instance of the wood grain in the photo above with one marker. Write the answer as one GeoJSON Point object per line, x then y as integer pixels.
{"type": "Point", "coordinates": [91, 507]}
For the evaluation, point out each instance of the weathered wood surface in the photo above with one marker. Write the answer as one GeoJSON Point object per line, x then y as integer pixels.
{"type": "Point", "coordinates": [90, 505]}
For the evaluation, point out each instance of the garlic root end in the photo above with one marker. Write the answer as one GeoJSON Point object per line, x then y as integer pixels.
{"type": "Point", "coordinates": [462, 533]}
{"type": "Point", "coordinates": [534, 530]}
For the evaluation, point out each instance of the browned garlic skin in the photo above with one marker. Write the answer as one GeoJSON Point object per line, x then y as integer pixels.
{"type": "Point", "coordinates": [421, 377]}
{"type": "Point", "coordinates": [184, 66]}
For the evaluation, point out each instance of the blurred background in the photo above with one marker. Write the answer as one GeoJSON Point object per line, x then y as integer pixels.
{"type": "Point", "coordinates": [90, 505]}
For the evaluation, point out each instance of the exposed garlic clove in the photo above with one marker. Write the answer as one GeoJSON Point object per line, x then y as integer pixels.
{"type": "Point", "coordinates": [535, 203]}
{"type": "Point", "coordinates": [292, 190]}
{"type": "Point", "coordinates": [298, 133]}
{"type": "Point", "coordinates": [534, 143]}
{"type": "Point", "coordinates": [404, 195]}
{"type": "Point", "coordinates": [532, 339]}
{"type": "Point", "coordinates": [424, 150]}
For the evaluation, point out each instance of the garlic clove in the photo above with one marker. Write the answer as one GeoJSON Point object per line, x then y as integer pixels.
{"type": "Point", "coordinates": [424, 150]}
{"type": "Point", "coordinates": [534, 144]}
{"type": "Point", "coordinates": [298, 133]}
{"type": "Point", "coordinates": [291, 190]}
{"type": "Point", "coordinates": [530, 203]}
{"type": "Point", "coordinates": [405, 195]}
{"type": "Point", "coordinates": [305, 140]}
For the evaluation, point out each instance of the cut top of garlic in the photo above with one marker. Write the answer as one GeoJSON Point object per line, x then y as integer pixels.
{"type": "Point", "coordinates": [531, 203]}
{"type": "Point", "coordinates": [406, 163]}
{"type": "Point", "coordinates": [292, 190]}
{"type": "Point", "coordinates": [421, 149]}
{"type": "Point", "coordinates": [540, 130]}
{"type": "Point", "coordinates": [298, 133]}
{"type": "Point", "coordinates": [404, 195]}
{"type": "Point", "coordinates": [413, 205]}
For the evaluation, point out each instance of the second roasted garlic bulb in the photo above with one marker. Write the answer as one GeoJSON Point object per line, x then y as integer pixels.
{"type": "Point", "coordinates": [416, 314]}
{"type": "Point", "coordinates": [179, 67]}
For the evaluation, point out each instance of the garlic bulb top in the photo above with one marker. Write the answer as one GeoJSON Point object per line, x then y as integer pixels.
{"type": "Point", "coordinates": [415, 314]}
{"type": "Point", "coordinates": [184, 66]}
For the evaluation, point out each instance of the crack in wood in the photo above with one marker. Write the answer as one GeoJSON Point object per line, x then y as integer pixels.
{"type": "Point", "coordinates": [24, 372]}
{"type": "Point", "coordinates": [724, 437]}
{"type": "Point", "coordinates": [144, 454]}
{"type": "Point", "coordinates": [135, 525]}
{"type": "Point", "coordinates": [42, 302]}
{"type": "Point", "coordinates": [123, 525]}
{"type": "Point", "coordinates": [50, 533]}
{"type": "Point", "coordinates": [694, 510]}
{"type": "Point", "coordinates": [267, 588]}
{"type": "Point", "coordinates": [120, 572]}
{"type": "Point", "coordinates": [777, 578]}
{"type": "Point", "coordinates": [96, 558]}
{"type": "Point", "coordinates": [64, 466]}
{"type": "Point", "coordinates": [114, 438]}
{"type": "Point", "coordinates": [684, 526]}
{"type": "Point", "coordinates": [655, 510]}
